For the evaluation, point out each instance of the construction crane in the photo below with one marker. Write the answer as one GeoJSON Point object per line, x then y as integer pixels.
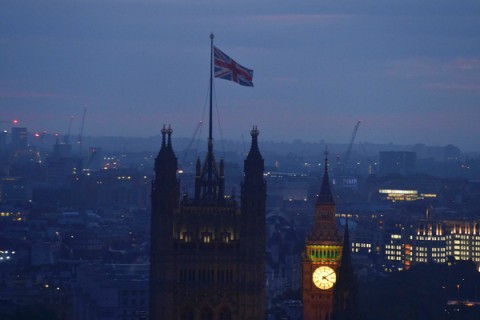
{"type": "Point", "coordinates": [199, 126]}
{"type": "Point", "coordinates": [371, 168]}
{"type": "Point", "coordinates": [80, 135]}
{"type": "Point", "coordinates": [67, 137]}
{"type": "Point", "coordinates": [93, 155]}
{"type": "Point", "coordinates": [350, 145]}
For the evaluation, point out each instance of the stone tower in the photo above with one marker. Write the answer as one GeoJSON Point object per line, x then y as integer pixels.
{"type": "Point", "coordinates": [321, 258]}
{"type": "Point", "coordinates": [207, 252]}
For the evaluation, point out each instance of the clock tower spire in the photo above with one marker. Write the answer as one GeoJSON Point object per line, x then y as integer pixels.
{"type": "Point", "coordinates": [321, 257]}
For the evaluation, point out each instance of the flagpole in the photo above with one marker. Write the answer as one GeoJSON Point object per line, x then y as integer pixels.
{"type": "Point", "coordinates": [210, 135]}
{"type": "Point", "coordinates": [210, 138]}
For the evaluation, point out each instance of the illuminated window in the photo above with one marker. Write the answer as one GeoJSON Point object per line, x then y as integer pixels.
{"type": "Point", "coordinates": [187, 236]}
{"type": "Point", "coordinates": [207, 237]}
{"type": "Point", "coordinates": [225, 237]}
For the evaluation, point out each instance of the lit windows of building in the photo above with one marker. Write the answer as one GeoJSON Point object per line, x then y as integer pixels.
{"type": "Point", "coordinates": [396, 195]}
{"type": "Point", "coordinates": [463, 240]}
{"type": "Point", "coordinates": [429, 242]}
{"type": "Point", "coordinates": [394, 248]}
{"type": "Point", "coordinates": [361, 247]}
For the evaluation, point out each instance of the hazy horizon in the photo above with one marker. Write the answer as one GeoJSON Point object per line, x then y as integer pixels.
{"type": "Point", "coordinates": [409, 71]}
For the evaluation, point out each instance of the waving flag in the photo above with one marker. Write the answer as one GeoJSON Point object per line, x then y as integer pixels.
{"type": "Point", "coordinates": [228, 69]}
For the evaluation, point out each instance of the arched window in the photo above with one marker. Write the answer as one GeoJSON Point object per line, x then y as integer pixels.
{"type": "Point", "coordinates": [225, 314]}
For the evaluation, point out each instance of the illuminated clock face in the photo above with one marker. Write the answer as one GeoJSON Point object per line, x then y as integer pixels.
{"type": "Point", "coordinates": [324, 277]}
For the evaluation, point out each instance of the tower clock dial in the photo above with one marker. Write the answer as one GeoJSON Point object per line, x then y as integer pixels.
{"type": "Point", "coordinates": [324, 277]}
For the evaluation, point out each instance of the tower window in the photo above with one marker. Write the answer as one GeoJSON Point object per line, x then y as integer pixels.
{"type": "Point", "coordinates": [207, 237]}
{"type": "Point", "coordinates": [225, 237]}
{"type": "Point", "coordinates": [187, 236]}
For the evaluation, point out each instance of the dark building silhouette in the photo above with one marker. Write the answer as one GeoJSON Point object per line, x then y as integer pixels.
{"type": "Point", "coordinates": [397, 162]}
{"type": "Point", "coordinates": [61, 164]}
{"type": "Point", "coordinates": [19, 139]}
{"type": "Point", "coordinates": [345, 303]}
{"type": "Point", "coordinates": [207, 251]}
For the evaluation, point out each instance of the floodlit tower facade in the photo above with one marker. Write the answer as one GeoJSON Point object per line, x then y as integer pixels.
{"type": "Point", "coordinates": [321, 258]}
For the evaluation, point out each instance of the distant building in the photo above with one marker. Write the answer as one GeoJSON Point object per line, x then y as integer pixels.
{"type": "Point", "coordinates": [3, 140]}
{"type": "Point", "coordinates": [4, 161]}
{"type": "Point", "coordinates": [115, 188]}
{"type": "Point", "coordinates": [111, 291]}
{"type": "Point", "coordinates": [15, 190]}
{"type": "Point", "coordinates": [397, 162]}
{"type": "Point", "coordinates": [19, 139]}
{"type": "Point", "coordinates": [283, 263]}
{"type": "Point", "coordinates": [61, 165]}
{"type": "Point", "coordinates": [427, 241]}
{"type": "Point", "coordinates": [410, 188]}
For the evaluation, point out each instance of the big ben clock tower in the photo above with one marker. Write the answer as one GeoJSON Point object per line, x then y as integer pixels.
{"type": "Point", "coordinates": [322, 257]}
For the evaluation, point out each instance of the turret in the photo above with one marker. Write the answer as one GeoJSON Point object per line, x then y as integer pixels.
{"type": "Point", "coordinates": [166, 161]}
{"type": "Point", "coordinates": [165, 195]}
{"type": "Point", "coordinates": [254, 164]}
{"type": "Point", "coordinates": [253, 202]}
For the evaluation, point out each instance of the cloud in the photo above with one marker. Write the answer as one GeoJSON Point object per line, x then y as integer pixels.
{"type": "Point", "coordinates": [20, 94]}
{"type": "Point", "coordinates": [456, 75]}
{"type": "Point", "coordinates": [453, 87]}
{"type": "Point", "coordinates": [425, 66]}
{"type": "Point", "coordinates": [465, 64]}
{"type": "Point", "coordinates": [301, 18]}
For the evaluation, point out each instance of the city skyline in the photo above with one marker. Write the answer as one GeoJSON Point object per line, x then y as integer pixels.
{"type": "Point", "coordinates": [409, 71]}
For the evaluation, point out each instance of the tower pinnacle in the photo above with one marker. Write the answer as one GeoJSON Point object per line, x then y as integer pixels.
{"type": "Point", "coordinates": [325, 195]}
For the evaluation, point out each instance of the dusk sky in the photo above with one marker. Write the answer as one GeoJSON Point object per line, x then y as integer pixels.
{"type": "Point", "coordinates": [410, 70]}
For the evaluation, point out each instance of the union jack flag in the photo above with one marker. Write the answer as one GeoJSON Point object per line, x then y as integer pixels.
{"type": "Point", "coordinates": [228, 69]}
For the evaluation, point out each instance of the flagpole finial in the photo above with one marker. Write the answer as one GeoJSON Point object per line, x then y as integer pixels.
{"type": "Point", "coordinates": [212, 36]}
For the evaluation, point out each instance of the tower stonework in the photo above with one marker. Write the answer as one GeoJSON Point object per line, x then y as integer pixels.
{"type": "Point", "coordinates": [321, 258]}
{"type": "Point", "coordinates": [165, 194]}
{"type": "Point", "coordinates": [345, 303]}
{"type": "Point", "coordinates": [207, 251]}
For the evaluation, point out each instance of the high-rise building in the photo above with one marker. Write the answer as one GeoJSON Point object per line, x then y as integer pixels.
{"type": "Point", "coordinates": [207, 251]}
{"type": "Point", "coordinates": [4, 153]}
{"type": "Point", "coordinates": [19, 139]}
